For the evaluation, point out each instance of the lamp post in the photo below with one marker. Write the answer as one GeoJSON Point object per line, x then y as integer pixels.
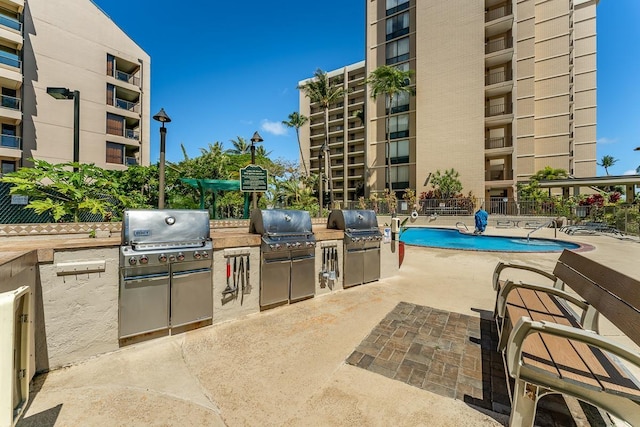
{"type": "Point", "coordinates": [64, 93]}
{"type": "Point", "coordinates": [162, 118]}
{"type": "Point", "coordinates": [256, 138]}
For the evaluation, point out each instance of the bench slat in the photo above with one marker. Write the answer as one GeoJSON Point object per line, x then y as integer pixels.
{"type": "Point", "coordinates": [610, 279]}
{"type": "Point", "coordinates": [622, 315]}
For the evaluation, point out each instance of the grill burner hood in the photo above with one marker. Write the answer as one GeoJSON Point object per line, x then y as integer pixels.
{"type": "Point", "coordinates": [353, 221]}
{"type": "Point", "coordinates": [278, 222]}
{"type": "Point", "coordinates": [149, 228]}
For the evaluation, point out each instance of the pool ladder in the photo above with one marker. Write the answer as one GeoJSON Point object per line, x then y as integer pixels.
{"type": "Point", "coordinates": [546, 224]}
{"type": "Point", "coordinates": [463, 224]}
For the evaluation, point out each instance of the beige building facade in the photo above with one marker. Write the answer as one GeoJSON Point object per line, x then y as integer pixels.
{"type": "Point", "coordinates": [71, 44]}
{"type": "Point", "coordinates": [503, 89]}
{"type": "Point", "coordinates": [347, 146]}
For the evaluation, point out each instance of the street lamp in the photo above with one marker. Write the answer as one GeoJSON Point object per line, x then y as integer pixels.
{"type": "Point", "coordinates": [256, 138]}
{"type": "Point", "coordinates": [162, 118]}
{"type": "Point", "coordinates": [64, 93]}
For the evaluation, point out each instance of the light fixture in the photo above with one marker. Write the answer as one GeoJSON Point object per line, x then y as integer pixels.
{"type": "Point", "coordinates": [65, 93]}
{"type": "Point", "coordinates": [163, 118]}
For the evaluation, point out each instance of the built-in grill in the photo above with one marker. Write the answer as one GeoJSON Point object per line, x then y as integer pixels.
{"type": "Point", "coordinates": [287, 255]}
{"type": "Point", "coordinates": [165, 270]}
{"type": "Point", "coordinates": [362, 239]}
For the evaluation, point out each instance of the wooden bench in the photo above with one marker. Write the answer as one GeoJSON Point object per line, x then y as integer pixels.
{"type": "Point", "coordinates": [548, 347]}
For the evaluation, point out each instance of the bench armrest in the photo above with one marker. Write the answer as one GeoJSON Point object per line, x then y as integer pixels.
{"type": "Point", "coordinates": [526, 327]}
{"type": "Point", "coordinates": [588, 318]}
{"type": "Point", "coordinates": [503, 266]}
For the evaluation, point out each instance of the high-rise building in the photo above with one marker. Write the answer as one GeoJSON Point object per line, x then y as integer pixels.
{"type": "Point", "coordinates": [347, 145]}
{"type": "Point", "coordinates": [74, 46]}
{"type": "Point", "coordinates": [503, 89]}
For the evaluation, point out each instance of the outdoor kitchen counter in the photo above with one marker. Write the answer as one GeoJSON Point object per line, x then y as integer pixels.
{"type": "Point", "coordinates": [13, 247]}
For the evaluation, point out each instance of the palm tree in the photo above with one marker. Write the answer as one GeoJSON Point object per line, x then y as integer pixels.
{"type": "Point", "coordinates": [606, 162]}
{"type": "Point", "coordinates": [297, 120]}
{"type": "Point", "coordinates": [320, 90]}
{"type": "Point", "coordinates": [261, 151]}
{"type": "Point", "coordinates": [389, 81]}
{"type": "Point", "coordinates": [240, 146]}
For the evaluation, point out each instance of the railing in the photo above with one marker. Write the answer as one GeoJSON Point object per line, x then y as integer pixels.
{"type": "Point", "coordinates": [499, 142]}
{"type": "Point", "coordinates": [546, 224]}
{"type": "Point", "coordinates": [10, 141]}
{"type": "Point", "coordinates": [497, 77]}
{"type": "Point", "coordinates": [497, 110]}
{"type": "Point", "coordinates": [127, 105]}
{"type": "Point", "coordinates": [12, 23]}
{"type": "Point", "coordinates": [125, 77]}
{"type": "Point", "coordinates": [129, 161]}
{"type": "Point", "coordinates": [10, 102]}
{"type": "Point", "coordinates": [10, 60]}
{"type": "Point", "coordinates": [131, 134]}
{"type": "Point", "coordinates": [498, 175]}
{"type": "Point", "coordinates": [498, 12]}
{"type": "Point", "coordinates": [498, 44]}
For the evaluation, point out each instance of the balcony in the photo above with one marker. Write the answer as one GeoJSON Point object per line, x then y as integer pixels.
{"type": "Point", "coordinates": [126, 77]}
{"type": "Point", "coordinates": [499, 142]}
{"type": "Point", "coordinates": [498, 44]}
{"type": "Point", "coordinates": [123, 104]}
{"type": "Point", "coordinates": [498, 51]}
{"type": "Point", "coordinates": [497, 77]}
{"type": "Point", "coordinates": [498, 12]}
{"type": "Point", "coordinates": [10, 22]}
{"type": "Point", "coordinates": [10, 102]}
{"type": "Point", "coordinates": [127, 133]}
{"type": "Point", "coordinates": [499, 175]}
{"type": "Point", "coordinates": [498, 83]}
{"type": "Point", "coordinates": [10, 59]}
{"type": "Point", "coordinates": [130, 161]}
{"type": "Point", "coordinates": [10, 141]}
{"type": "Point", "coordinates": [497, 110]}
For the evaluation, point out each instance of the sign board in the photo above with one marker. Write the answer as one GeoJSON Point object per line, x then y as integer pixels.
{"type": "Point", "coordinates": [19, 200]}
{"type": "Point", "coordinates": [253, 178]}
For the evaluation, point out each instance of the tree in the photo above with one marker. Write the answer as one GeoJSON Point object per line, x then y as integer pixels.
{"type": "Point", "coordinates": [297, 120]}
{"type": "Point", "coordinates": [320, 90]}
{"type": "Point", "coordinates": [447, 184]}
{"type": "Point", "coordinates": [240, 146]}
{"type": "Point", "coordinates": [606, 162]}
{"type": "Point", "coordinates": [261, 151]}
{"type": "Point", "coordinates": [549, 174]}
{"type": "Point", "coordinates": [58, 190]}
{"type": "Point", "coordinates": [389, 81]}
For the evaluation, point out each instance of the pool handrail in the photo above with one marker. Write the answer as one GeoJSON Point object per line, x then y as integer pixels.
{"type": "Point", "coordinates": [462, 223]}
{"type": "Point", "coordinates": [546, 224]}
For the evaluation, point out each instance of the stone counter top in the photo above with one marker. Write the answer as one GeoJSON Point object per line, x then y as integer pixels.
{"type": "Point", "coordinates": [13, 247]}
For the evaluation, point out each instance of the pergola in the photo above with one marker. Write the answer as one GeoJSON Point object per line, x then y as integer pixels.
{"type": "Point", "coordinates": [628, 181]}
{"type": "Point", "coordinates": [215, 186]}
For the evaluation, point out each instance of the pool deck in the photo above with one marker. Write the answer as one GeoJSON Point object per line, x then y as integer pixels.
{"type": "Point", "coordinates": [288, 366]}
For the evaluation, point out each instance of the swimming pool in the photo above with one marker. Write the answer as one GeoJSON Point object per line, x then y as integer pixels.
{"type": "Point", "coordinates": [453, 239]}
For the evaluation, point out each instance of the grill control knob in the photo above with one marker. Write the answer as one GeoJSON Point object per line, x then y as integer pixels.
{"type": "Point", "coordinates": [162, 258]}
{"type": "Point", "coordinates": [197, 255]}
{"type": "Point", "coordinates": [298, 244]}
{"type": "Point", "coordinates": [272, 247]}
{"type": "Point", "coordinates": [133, 261]}
{"type": "Point", "coordinates": [278, 246]}
{"type": "Point", "coordinates": [310, 244]}
{"type": "Point", "coordinates": [180, 256]}
{"type": "Point", "coordinates": [144, 259]}
{"type": "Point", "coordinates": [205, 254]}
{"type": "Point", "coordinates": [289, 245]}
{"type": "Point", "coordinates": [172, 258]}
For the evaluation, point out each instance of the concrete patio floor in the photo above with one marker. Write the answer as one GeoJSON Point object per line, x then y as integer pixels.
{"type": "Point", "coordinates": [286, 366]}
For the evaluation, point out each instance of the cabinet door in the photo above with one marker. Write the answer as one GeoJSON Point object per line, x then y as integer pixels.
{"type": "Point", "coordinates": [143, 305]}
{"type": "Point", "coordinates": [371, 265]}
{"type": "Point", "coordinates": [303, 281]}
{"type": "Point", "coordinates": [353, 267]}
{"type": "Point", "coordinates": [191, 297]}
{"type": "Point", "coordinates": [274, 281]}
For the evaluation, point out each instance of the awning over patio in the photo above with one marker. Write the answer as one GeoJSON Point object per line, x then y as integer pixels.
{"type": "Point", "coordinates": [628, 181]}
{"type": "Point", "coordinates": [215, 186]}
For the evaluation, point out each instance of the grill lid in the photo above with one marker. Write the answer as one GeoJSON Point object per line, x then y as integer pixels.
{"type": "Point", "coordinates": [280, 222]}
{"type": "Point", "coordinates": [152, 226]}
{"type": "Point", "coordinates": [353, 220]}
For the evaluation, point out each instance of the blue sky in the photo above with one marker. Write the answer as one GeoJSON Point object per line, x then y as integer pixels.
{"type": "Point", "coordinates": [220, 71]}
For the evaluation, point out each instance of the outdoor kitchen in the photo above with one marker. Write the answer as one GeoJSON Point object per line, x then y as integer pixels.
{"type": "Point", "coordinates": [163, 272]}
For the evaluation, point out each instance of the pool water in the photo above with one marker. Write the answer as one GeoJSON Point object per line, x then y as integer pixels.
{"type": "Point", "coordinates": [453, 239]}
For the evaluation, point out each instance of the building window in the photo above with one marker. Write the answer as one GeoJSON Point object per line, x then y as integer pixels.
{"type": "Point", "coordinates": [111, 94]}
{"type": "Point", "coordinates": [399, 151]}
{"type": "Point", "coordinates": [397, 51]}
{"type": "Point", "coordinates": [10, 19]}
{"type": "Point", "coordinates": [115, 124]}
{"type": "Point", "coordinates": [398, 26]}
{"type": "Point", "coordinates": [115, 153]}
{"type": "Point", "coordinates": [8, 137]}
{"type": "Point", "coordinates": [402, 67]}
{"type": "Point", "coordinates": [394, 6]}
{"type": "Point", "coordinates": [400, 102]}
{"type": "Point", "coordinates": [7, 167]}
{"type": "Point", "coordinates": [400, 177]}
{"type": "Point", "coordinates": [10, 98]}
{"type": "Point", "coordinates": [10, 57]}
{"type": "Point", "coordinates": [399, 126]}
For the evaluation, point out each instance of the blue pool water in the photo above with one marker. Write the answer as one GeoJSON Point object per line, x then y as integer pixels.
{"type": "Point", "coordinates": [453, 239]}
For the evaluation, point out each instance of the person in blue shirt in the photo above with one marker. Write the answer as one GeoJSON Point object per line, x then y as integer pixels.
{"type": "Point", "coordinates": [481, 218]}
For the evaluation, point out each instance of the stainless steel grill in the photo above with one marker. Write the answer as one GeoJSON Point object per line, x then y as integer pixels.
{"type": "Point", "coordinates": [287, 255]}
{"type": "Point", "coordinates": [362, 239]}
{"type": "Point", "coordinates": [165, 270]}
